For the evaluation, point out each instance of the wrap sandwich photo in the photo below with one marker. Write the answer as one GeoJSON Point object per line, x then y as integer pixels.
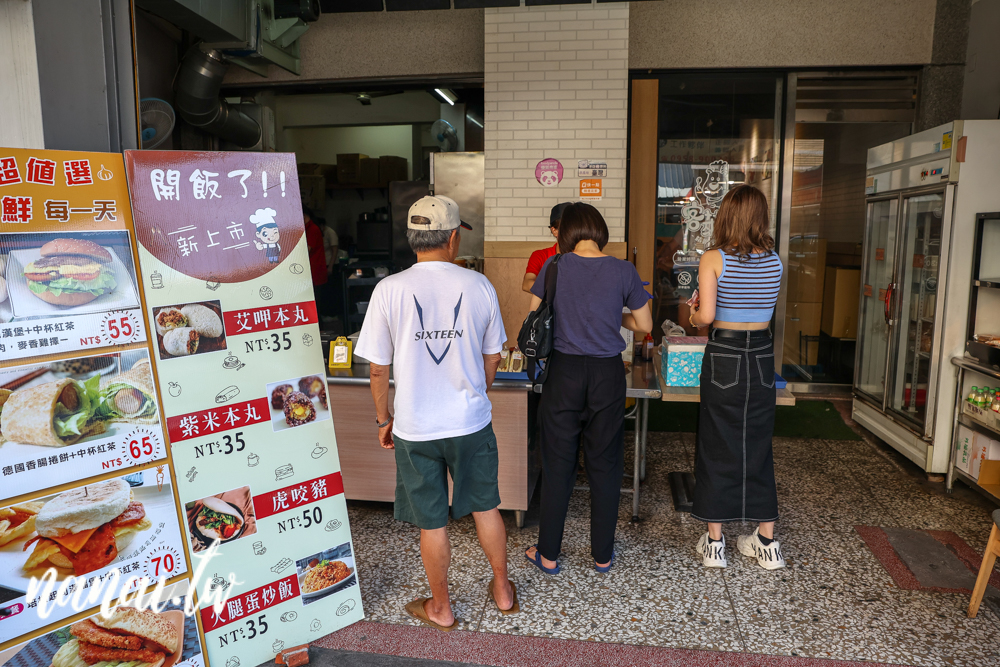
{"type": "Point", "coordinates": [129, 396]}
{"type": "Point", "coordinates": [53, 414]}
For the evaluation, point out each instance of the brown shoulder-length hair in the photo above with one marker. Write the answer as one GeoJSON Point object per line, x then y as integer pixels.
{"type": "Point", "coordinates": [581, 222]}
{"type": "Point", "coordinates": [741, 225]}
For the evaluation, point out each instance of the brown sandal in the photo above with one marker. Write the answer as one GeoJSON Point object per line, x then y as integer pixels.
{"type": "Point", "coordinates": [417, 610]}
{"type": "Point", "coordinates": [514, 608]}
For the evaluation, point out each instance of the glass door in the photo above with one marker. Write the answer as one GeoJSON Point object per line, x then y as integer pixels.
{"type": "Point", "coordinates": [876, 287]}
{"type": "Point", "coordinates": [915, 304]}
{"type": "Point", "coordinates": [715, 131]}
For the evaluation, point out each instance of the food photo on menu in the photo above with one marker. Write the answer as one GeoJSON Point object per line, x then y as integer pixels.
{"type": "Point", "coordinates": [298, 401]}
{"type": "Point", "coordinates": [189, 328]}
{"type": "Point", "coordinates": [225, 517]}
{"type": "Point", "coordinates": [129, 637]}
{"type": "Point", "coordinates": [53, 414]}
{"type": "Point", "coordinates": [88, 530]}
{"type": "Point", "coordinates": [325, 573]}
{"type": "Point", "coordinates": [45, 275]}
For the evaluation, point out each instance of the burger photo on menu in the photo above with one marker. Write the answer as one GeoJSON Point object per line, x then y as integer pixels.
{"type": "Point", "coordinates": [83, 530]}
{"type": "Point", "coordinates": [325, 573]}
{"type": "Point", "coordinates": [189, 328]}
{"type": "Point", "coordinates": [66, 274]}
{"type": "Point", "coordinates": [127, 638]}
{"type": "Point", "coordinates": [225, 517]}
{"type": "Point", "coordinates": [74, 402]}
{"type": "Point", "coordinates": [86, 529]}
{"type": "Point", "coordinates": [298, 401]}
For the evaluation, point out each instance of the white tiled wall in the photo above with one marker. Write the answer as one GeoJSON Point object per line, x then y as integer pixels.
{"type": "Point", "coordinates": [556, 87]}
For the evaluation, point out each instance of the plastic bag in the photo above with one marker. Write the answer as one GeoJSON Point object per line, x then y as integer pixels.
{"type": "Point", "coordinates": [671, 328]}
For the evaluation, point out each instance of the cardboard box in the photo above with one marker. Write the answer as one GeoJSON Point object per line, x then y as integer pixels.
{"type": "Point", "coordinates": [963, 449]}
{"type": "Point", "coordinates": [681, 361]}
{"type": "Point", "coordinates": [313, 192]}
{"type": "Point", "coordinates": [349, 167]}
{"type": "Point", "coordinates": [369, 171]}
{"type": "Point", "coordinates": [806, 269]}
{"type": "Point", "coordinates": [989, 478]}
{"type": "Point", "coordinates": [840, 302]}
{"type": "Point", "coordinates": [392, 168]}
{"type": "Point", "coordinates": [804, 319]}
{"type": "Point", "coordinates": [980, 448]}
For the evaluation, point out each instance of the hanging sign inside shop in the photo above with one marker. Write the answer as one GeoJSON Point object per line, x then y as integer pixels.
{"type": "Point", "coordinates": [591, 169]}
{"type": "Point", "coordinates": [76, 384]}
{"type": "Point", "coordinates": [591, 189]}
{"type": "Point", "coordinates": [549, 172]}
{"type": "Point", "coordinates": [224, 264]}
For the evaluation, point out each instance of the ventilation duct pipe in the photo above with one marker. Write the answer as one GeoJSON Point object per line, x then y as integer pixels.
{"type": "Point", "coordinates": [199, 103]}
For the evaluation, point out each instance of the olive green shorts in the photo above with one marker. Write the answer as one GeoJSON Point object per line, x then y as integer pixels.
{"type": "Point", "coordinates": [422, 478]}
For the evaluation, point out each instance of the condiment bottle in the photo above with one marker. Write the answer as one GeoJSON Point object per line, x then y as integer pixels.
{"type": "Point", "coordinates": [647, 347]}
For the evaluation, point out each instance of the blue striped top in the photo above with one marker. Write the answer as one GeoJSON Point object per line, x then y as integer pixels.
{"type": "Point", "coordinates": [748, 290]}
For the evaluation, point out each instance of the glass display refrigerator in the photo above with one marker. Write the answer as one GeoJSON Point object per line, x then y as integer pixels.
{"type": "Point", "coordinates": [923, 194]}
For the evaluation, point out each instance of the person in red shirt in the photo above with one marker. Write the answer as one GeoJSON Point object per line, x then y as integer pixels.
{"type": "Point", "coordinates": [317, 255]}
{"type": "Point", "coordinates": [538, 257]}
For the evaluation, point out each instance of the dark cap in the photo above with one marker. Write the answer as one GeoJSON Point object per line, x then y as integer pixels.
{"type": "Point", "coordinates": [556, 215]}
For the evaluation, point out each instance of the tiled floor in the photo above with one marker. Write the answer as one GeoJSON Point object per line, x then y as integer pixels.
{"type": "Point", "coordinates": [833, 601]}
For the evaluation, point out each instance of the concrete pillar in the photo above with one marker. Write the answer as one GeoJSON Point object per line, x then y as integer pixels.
{"type": "Point", "coordinates": [21, 102]}
{"type": "Point", "coordinates": [942, 80]}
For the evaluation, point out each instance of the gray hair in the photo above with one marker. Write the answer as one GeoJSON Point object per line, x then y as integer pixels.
{"type": "Point", "coordinates": [425, 241]}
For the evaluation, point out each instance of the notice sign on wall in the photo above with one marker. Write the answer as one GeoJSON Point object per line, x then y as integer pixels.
{"type": "Point", "coordinates": [591, 189]}
{"type": "Point", "coordinates": [225, 269]}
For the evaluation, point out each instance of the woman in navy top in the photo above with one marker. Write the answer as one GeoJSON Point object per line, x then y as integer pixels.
{"type": "Point", "coordinates": [738, 282]}
{"type": "Point", "coordinates": [583, 403]}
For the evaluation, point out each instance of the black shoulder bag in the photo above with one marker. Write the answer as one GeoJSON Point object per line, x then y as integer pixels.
{"type": "Point", "coordinates": [535, 337]}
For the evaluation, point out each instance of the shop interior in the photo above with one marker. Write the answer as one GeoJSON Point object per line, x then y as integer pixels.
{"type": "Point", "coordinates": [364, 152]}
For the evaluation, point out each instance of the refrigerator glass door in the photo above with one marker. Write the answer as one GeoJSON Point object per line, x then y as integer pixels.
{"type": "Point", "coordinates": [915, 304]}
{"type": "Point", "coordinates": [879, 262]}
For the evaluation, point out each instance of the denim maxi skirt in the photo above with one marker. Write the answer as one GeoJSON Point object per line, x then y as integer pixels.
{"type": "Point", "coordinates": [734, 463]}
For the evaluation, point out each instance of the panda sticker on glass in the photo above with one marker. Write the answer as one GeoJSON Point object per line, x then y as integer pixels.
{"type": "Point", "coordinates": [549, 172]}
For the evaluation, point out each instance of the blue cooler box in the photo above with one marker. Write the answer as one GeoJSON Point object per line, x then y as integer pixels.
{"type": "Point", "coordinates": [681, 360]}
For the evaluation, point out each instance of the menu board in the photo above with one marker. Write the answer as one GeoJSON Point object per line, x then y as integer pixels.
{"type": "Point", "coordinates": [139, 637]}
{"type": "Point", "coordinates": [225, 272]}
{"type": "Point", "coordinates": [68, 280]}
{"type": "Point", "coordinates": [77, 397]}
{"type": "Point", "coordinates": [138, 536]}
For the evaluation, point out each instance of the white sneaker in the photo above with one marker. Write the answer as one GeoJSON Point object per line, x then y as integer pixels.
{"type": "Point", "coordinates": [768, 557]}
{"type": "Point", "coordinates": [713, 554]}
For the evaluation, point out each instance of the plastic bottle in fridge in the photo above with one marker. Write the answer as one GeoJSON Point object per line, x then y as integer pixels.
{"type": "Point", "coordinates": [971, 398]}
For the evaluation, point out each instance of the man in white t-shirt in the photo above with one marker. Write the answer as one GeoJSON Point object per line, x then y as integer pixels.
{"type": "Point", "coordinates": [439, 326]}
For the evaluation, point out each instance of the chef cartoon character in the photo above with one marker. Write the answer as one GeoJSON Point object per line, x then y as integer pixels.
{"type": "Point", "coordinates": [267, 233]}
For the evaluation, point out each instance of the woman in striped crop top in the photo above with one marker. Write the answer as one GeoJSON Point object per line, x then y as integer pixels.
{"type": "Point", "coordinates": [738, 282]}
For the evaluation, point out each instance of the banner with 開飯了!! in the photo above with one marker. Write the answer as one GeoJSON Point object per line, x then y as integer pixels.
{"type": "Point", "coordinates": [225, 270]}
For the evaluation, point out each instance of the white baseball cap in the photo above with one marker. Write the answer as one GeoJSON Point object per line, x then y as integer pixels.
{"type": "Point", "coordinates": [434, 213]}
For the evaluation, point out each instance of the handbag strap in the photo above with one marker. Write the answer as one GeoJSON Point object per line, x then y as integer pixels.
{"type": "Point", "coordinates": [551, 274]}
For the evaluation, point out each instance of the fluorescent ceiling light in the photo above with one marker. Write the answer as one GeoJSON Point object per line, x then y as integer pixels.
{"type": "Point", "coordinates": [474, 120]}
{"type": "Point", "coordinates": [447, 95]}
